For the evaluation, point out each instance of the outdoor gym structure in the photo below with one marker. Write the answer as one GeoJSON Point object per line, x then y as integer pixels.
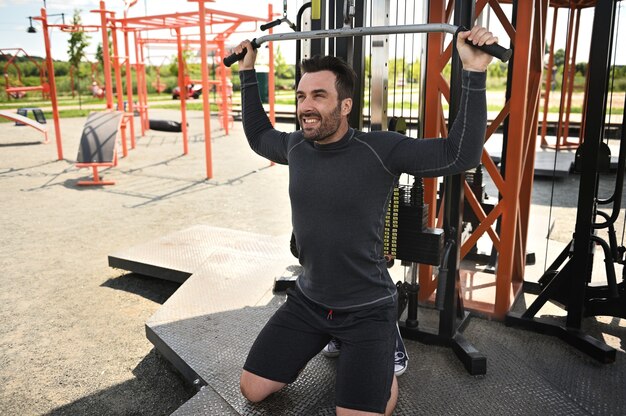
{"type": "Point", "coordinates": [214, 27]}
{"type": "Point", "coordinates": [16, 91]}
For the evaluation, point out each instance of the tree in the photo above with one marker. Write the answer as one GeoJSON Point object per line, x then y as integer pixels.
{"type": "Point", "coordinates": [559, 57]}
{"type": "Point", "coordinates": [173, 67]}
{"type": "Point", "coordinates": [282, 68]}
{"type": "Point", "coordinates": [77, 43]}
{"type": "Point", "coordinates": [396, 71]}
{"type": "Point", "coordinates": [100, 54]}
{"type": "Point", "coordinates": [413, 71]}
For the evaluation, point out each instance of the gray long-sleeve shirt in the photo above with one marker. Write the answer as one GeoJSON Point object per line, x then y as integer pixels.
{"type": "Point", "coordinates": [340, 191]}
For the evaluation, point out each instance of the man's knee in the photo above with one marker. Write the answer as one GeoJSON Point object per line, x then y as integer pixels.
{"type": "Point", "coordinates": [391, 404]}
{"type": "Point", "coordinates": [256, 388]}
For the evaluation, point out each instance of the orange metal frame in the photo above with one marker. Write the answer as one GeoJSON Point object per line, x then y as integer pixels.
{"type": "Point", "coordinates": [49, 66]}
{"type": "Point", "coordinates": [43, 85]}
{"type": "Point", "coordinates": [221, 25]}
{"type": "Point", "coordinates": [96, 176]}
{"type": "Point", "coordinates": [222, 83]}
{"type": "Point", "coordinates": [569, 70]}
{"type": "Point", "coordinates": [51, 81]}
{"type": "Point", "coordinates": [515, 183]}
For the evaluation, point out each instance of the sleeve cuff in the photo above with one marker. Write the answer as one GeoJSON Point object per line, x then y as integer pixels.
{"type": "Point", "coordinates": [247, 77]}
{"type": "Point", "coordinates": [477, 80]}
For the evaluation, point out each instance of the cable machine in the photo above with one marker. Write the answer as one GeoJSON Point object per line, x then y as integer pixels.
{"type": "Point", "coordinates": [452, 316]}
{"type": "Point", "coordinates": [567, 280]}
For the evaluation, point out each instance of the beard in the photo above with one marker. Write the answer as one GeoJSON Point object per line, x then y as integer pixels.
{"type": "Point", "coordinates": [327, 126]}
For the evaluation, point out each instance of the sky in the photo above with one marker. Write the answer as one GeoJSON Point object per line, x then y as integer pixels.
{"type": "Point", "coordinates": [14, 23]}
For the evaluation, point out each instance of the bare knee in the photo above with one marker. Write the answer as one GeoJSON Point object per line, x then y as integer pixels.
{"type": "Point", "coordinates": [256, 388]}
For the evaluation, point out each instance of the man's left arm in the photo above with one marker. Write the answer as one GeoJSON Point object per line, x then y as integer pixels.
{"type": "Point", "coordinates": [462, 149]}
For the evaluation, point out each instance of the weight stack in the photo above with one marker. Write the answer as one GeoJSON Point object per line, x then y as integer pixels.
{"type": "Point", "coordinates": [405, 236]}
{"type": "Point", "coordinates": [390, 236]}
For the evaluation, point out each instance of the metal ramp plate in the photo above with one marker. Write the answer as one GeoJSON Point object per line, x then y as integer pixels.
{"type": "Point", "coordinates": [176, 256]}
{"type": "Point", "coordinates": [207, 327]}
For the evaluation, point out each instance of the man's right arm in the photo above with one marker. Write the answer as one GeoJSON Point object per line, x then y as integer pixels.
{"type": "Point", "coordinates": [262, 136]}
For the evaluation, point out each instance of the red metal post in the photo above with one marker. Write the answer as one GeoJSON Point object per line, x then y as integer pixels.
{"type": "Point", "coordinates": [518, 120]}
{"type": "Point", "coordinates": [546, 105]}
{"type": "Point", "coordinates": [433, 116]}
{"type": "Point", "coordinates": [183, 90]}
{"type": "Point", "coordinates": [118, 83]}
{"type": "Point", "coordinates": [570, 90]}
{"type": "Point", "coordinates": [53, 87]}
{"type": "Point", "coordinates": [205, 90]}
{"type": "Point", "coordinates": [130, 111]}
{"type": "Point", "coordinates": [537, 56]}
{"type": "Point", "coordinates": [106, 57]}
{"type": "Point", "coordinates": [140, 72]}
{"type": "Point", "coordinates": [145, 117]}
{"type": "Point", "coordinates": [223, 83]}
{"type": "Point", "coordinates": [117, 67]}
{"type": "Point", "coordinates": [565, 82]}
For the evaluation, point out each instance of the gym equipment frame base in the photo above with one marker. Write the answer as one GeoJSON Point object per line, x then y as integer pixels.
{"type": "Point", "coordinates": [574, 337]}
{"type": "Point", "coordinates": [474, 362]}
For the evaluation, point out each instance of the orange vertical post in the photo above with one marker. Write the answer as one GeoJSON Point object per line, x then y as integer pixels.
{"type": "Point", "coordinates": [130, 111]}
{"type": "Point", "coordinates": [183, 90]}
{"type": "Point", "coordinates": [53, 87]}
{"type": "Point", "coordinates": [432, 123]}
{"type": "Point", "coordinates": [516, 130]}
{"type": "Point", "coordinates": [106, 57]}
{"type": "Point", "coordinates": [534, 93]}
{"type": "Point", "coordinates": [118, 83]}
{"type": "Point", "coordinates": [565, 83]}
{"type": "Point", "coordinates": [571, 74]}
{"type": "Point", "coordinates": [546, 105]}
{"type": "Point", "coordinates": [205, 89]}
{"type": "Point", "coordinates": [140, 73]}
{"type": "Point", "coordinates": [223, 84]}
{"type": "Point", "coordinates": [145, 120]}
{"type": "Point", "coordinates": [116, 67]}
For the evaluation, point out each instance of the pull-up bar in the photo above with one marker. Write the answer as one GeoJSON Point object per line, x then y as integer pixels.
{"type": "Point", "coordinates": [495, 50]}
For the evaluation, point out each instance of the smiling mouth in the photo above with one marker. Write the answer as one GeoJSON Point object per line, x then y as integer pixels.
{"type": "Point", "coordinates": [308, 121]}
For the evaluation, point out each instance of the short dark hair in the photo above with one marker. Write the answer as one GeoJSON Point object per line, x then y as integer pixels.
{"type": "Point", "coordinates": [346, 77]}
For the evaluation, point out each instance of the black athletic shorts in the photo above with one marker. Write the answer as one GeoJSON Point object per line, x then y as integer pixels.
{"type": "Point", "coordinates": [300, 329]}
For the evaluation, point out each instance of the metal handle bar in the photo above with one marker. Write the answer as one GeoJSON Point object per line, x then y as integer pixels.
{"type": "Point", "coordinates": [276, 22]}
{"type": "Point", "coordinates": [494, 50]}
{"type": "Point", "coordinates": [271, 24]}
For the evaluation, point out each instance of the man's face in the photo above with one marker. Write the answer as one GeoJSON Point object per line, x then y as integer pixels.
{"type": "Point", "coordinates": [319, 111]}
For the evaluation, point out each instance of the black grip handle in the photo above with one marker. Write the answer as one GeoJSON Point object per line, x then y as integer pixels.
{"type": "Point", "coordinates": [494, 50]}
{"type": "Point", "coordinates": [232, 58]}
{"type": "Point", "coordinates": [271, 24]}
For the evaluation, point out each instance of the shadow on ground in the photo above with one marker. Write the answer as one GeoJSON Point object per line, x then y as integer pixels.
{"type": "Point", "coordinates": [156, 290]}
{"type": "Point", "coordinates": [156, 390]}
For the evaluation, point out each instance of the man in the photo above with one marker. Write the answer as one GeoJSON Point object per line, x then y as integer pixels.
{"type": "Point", "coordinates": [340, 183]}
